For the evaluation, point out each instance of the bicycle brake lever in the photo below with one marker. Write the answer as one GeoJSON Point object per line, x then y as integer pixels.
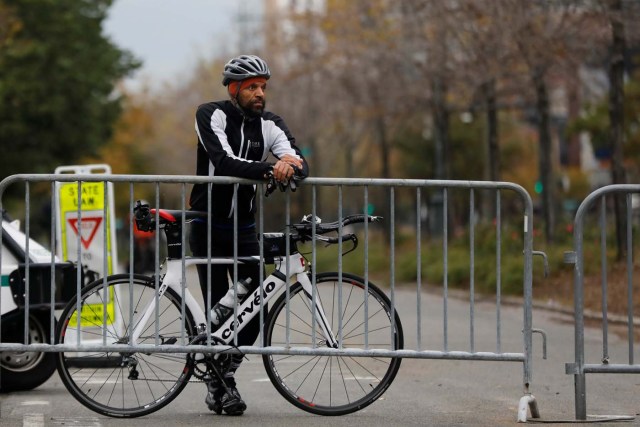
{"type": "Point", "coordinates": [271, 186]}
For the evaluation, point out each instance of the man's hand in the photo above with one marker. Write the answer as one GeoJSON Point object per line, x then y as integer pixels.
{"type": "Point", "coordinates": [282, 174]}
{"type": "Point", "coordinates": [292, 160]}
{"type": "Point", "coordinates": [283, 169]}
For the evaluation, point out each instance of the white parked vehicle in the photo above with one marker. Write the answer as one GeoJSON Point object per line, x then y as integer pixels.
{"type": "Point", "coordinates": [24, 370]}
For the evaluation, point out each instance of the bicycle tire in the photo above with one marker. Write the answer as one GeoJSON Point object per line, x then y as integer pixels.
{"type": "Point", "coordinates": [333, 385]}
{"type": "Point", "coordinates": [26, 370]}
{"type": "Point", "coordinates": [106, 382]}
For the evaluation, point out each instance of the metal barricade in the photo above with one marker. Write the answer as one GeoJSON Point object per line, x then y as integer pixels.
{"type": "Point", "coordinates": [435, 196]}
{"type": "Point", "coordinates": [594, 207]}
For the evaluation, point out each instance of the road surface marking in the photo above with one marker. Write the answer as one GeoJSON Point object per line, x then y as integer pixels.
{"type": "Point", "coordinates": [33, 420]}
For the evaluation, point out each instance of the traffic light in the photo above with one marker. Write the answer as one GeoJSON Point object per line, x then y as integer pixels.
{"type": "Point", "coordinates": [538, 187]}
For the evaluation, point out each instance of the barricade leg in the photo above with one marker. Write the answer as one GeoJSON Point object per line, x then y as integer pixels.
{"type": "Point", "coordinates": [580, 383]}
{"type": "Point", "coordinates": [527, 404]}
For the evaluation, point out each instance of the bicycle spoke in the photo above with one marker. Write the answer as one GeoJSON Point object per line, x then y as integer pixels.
{"type": "Point", "coordinates": [294, 330]}
{"type": "Point", "coordinates": [364, 368]}
{"type": "Point", "coordinates": [382, 328]}
{"type": "Point", "coordinates": [319, 381]}
{"type": "Point", "coordinates": [129, 383]}
{"type": "Point", "coordinates": [302, 366]}
{"type": "Point", "coordinates": [152, 365]}
{"type": "Point", "coordinates": [334, 384]}
{"type": "Point", "coordinates": [308, 373]}
{"type": "Point", "coordinates": [346, 306]}
{"type": "Point", "coordinates": [114, 384]}
{"type": "Point", "coordinates": [371, 316]}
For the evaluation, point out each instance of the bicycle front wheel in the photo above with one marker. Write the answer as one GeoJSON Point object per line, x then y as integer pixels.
{"type": "Point", "coordinates": [333, 385]}
{"type": "Point", "coordinates": [124, 384]}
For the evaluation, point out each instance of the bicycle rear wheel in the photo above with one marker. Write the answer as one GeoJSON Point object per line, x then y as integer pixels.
{"type": "Point", "coordinates": [124, 384]}
{"type": "Point", "coordinates": [333, 385]}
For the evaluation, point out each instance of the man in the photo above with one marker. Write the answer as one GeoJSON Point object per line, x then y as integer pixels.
{"type": "Point", "coordinates": [234, 139]}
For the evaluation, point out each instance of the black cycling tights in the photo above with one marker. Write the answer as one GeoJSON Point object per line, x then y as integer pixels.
{"type": "Point", "coordinates": [222, 275]}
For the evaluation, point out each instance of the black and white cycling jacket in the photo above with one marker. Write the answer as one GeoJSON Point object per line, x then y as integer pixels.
{"type": "Point", "coordinates": [232, 144]}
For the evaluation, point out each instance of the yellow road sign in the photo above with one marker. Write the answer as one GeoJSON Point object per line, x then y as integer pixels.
{"type": "Point", "coordinates": [88, 229]}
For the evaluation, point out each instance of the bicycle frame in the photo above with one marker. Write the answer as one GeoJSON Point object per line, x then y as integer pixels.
{"type": "Point", "coordinates": [252, 304]}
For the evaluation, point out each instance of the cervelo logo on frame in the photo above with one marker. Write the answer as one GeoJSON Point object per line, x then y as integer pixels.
{"type": "Point", "coordinates": [255, 303]}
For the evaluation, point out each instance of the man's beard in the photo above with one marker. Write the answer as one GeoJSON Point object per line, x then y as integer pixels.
{"type": "Point", "coordinates": [252, 111]}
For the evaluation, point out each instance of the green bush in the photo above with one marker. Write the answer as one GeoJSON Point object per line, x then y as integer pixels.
{"type": "Point", "coordinates": [458, 258]}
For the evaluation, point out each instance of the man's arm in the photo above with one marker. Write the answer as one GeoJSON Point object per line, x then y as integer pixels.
{"type": "Point", "coordinates": [210, 127]}
{"type": "Point", "coordinates": [283, 146]}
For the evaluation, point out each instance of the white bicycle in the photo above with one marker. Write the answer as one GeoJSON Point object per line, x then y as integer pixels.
{"type": "Point", "coordinates": [134, 311]}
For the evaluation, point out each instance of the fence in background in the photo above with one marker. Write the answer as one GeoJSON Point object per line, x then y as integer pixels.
{"type": "Point", "coordinates": [594, 207]}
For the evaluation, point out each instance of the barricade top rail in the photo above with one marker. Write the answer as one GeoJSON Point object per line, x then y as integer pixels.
{"type": "Point", "coordinates": [192, 179]}
{"type": "Point", "coordinates": [587, 203]}
{"type": "Point", "coordinates": [603, 191]}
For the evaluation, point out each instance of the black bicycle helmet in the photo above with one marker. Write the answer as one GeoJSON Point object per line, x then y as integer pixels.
{"type": "Point", "coordinates": [244, 67]}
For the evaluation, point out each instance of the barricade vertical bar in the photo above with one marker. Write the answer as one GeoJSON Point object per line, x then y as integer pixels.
{"type": "Point", "coordinates": [392, 261]}
{"type": "Point", "coordinates": [366, 269]}
{"type": "Point", "coordinates": [287, 233]}
{"type": "Point", "coordinates": [79, 258]}
{"type": "Point", "coordinates": [131, 235]}
{"type": "Point", "coordinates": [445, 261]}
{"type": "Point", "coordinates": [131, 263]}
{"type": "Point", "coordinates": [418, 269]}
{"type": "Point", "coordinates": [340, 267]}
{"type": "Point", "coordinates": [579, 378]}
{"type": "Point", "coordinates": [603, 266]}
{"type": "Point", "coordinates": [498, 272]}
{"type": "Point", "coordinates": [630, 278]}
{"type": "Point", "coordinates": [314, 296]}
{"type": "Point", "coordinates": [235, 262]}
{"type": "Point", "coordinates": [261, 252]}
{"type": "Point", "coordinates": [471, 270]}
{"type": "Point", "coordinates": [54, 214]}
{"type": "Point", "coordinates": [157, 265]}
{"type": "Point", "coordinates": [207, 302]}
{"type": "Point", "coordinates": [528, 291]}
{"type": "Point", "coordinates": [27, 261]}
{"type": "Point", "coordinates": [105, 256]}
{"type": "Point", "coordinates": [183, 254]}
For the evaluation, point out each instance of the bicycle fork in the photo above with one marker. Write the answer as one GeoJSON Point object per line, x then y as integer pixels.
{"type": "Point", "coordinates": [318, 311]}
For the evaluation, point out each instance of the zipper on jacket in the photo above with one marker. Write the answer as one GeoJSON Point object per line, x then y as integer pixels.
{"type": "Point", "coordinates": [233, 201]}
{"type": "Point", "coordinates": [241, 139]}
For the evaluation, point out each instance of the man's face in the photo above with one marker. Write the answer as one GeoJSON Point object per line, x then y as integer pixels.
{"type": "Point", "coordinates": [253, 97]}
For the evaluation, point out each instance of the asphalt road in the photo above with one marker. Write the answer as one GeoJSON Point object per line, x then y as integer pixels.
{"type": "Point", "coordinates": [425, 392]}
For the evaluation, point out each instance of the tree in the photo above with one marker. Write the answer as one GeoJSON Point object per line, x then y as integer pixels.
{"type": "Point", "coordinates": [57, 77]}
{"type": "Point", "coordinates": [9, 25]}
{"type": "Point", "coordinates": [545, 38]}
{"type": "Point", "coordinates": [619, 20]}
{"type": "Point", "coordinates": [595, 120]}
{"type": "Point", "coordinates": [616, 116]}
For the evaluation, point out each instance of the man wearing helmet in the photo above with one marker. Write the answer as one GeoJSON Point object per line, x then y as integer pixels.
{"type": "Point", "coordinates": [235, 137]}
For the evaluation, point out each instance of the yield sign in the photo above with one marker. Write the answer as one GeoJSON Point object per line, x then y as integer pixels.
{"type": "Point", "coordinates": [89, 228]}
